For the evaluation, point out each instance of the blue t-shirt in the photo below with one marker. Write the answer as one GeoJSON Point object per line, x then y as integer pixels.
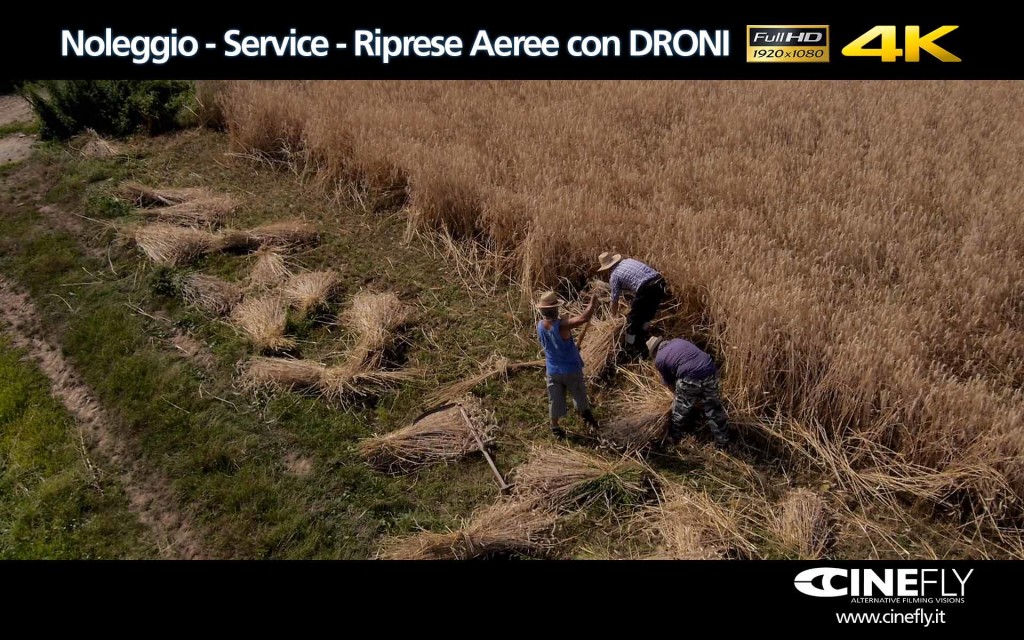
{"type": "Point", "coordinates": [561, 355]}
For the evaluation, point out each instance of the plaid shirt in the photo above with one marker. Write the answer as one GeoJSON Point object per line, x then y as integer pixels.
{"type": "Point", "coordinates": [630, 275]}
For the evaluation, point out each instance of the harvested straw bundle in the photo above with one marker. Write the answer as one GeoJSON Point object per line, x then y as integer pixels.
{"type": "Point", "coordinates": [804, 525]}
{"type": "Point", "coordinates": [174, 246]}
{"type": "Point", "coordinates": [374, 318]}
{"type": "Point", "coordinates": [692, 526]}
{"type": "Point", "coordinates": [264, 320]}
{"type": "Point", "coordinates": [208, 211]}
{"type": "Point", "coordinates": [601, 346]}
{"type": "Point", "coordinates": [310, 290]}
{"type": "Point", "coordinates": [269, 269]}
{"type": "Point", "coordinates": [437, 438]}
{"type": "Point", "coordinates": [346, 382]}
{"type": "Point", "coordinates": [212, 295]}
{"type": "Point", "coordinates": [286, 233]}
{"type": "Point", "coordinates": [496, 366]}
{"type": "Point", "coordinates": [329, 383]}
{"type": "Point", "coordinates": [564, 478]}
{"type": "Point", "coordinates": [506, 527]}
{"type": "Point", "coordinates": [143, 196]}
{"type": "Point", "coordinates": [283, 374]}
{"type": "Point", "coordinates": [643, 418]}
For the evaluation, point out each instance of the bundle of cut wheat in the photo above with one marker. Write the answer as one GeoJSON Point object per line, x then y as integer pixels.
{"type": "Point", "coordinates": [373, 318]}
{"type": "Point", "coordinates": [174, 246]}
{"type": "Point", "coordinates": [601, 346]}
{"type": "Point", "coordinates": [643, 417]}
{"type": "Point", "coordinates": [310, 290]}
{"type": "Point", "coordinates": [143, 196]}
{"type": "Point", "coordinates": [333, 383]}
{"type": "Point", "coordinates": [210, 294]}
{"type": "Point", "coordinates": [804, 525]}
{"type": "Point", "coordinates": [565, 478]}
{"type": "Point", "coordinates": [208, 211]}
{"type": "Point", "coordinates": [268, 270]}
{"type": "Point", "coordinates": [437, 438]}
{"type": "Point", "coordinates": [264, 320]}
{"type": "Point", "coordinates": [689, 525]}
{"type": "Point", "coordinates": [286, 233]}
{"type": "Point", "coordinates": [503, 528]}
{"type": "Point", "coordinates": [283, 374]}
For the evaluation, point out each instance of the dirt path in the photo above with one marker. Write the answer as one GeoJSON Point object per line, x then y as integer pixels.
{"type": "Point", "coordinates": [14, 109]}
{"type": "Point", "coordinates": [17, 146]}
{"type": "Point", "coordinates": [149, 494]}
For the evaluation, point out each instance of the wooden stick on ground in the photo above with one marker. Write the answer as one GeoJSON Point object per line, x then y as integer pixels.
{"type": "Point", "coordinates": [497, 474]}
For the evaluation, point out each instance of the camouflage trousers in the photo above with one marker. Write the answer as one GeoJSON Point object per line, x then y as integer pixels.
{"type": "Point", "coordinates": [694, 397]}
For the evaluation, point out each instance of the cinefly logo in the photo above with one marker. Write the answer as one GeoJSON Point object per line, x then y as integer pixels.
{"type": "Point", "coordinates": [832, 582]}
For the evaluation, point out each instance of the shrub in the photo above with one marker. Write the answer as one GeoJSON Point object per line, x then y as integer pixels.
{"type": "Point", "coordinates": [111, 107]}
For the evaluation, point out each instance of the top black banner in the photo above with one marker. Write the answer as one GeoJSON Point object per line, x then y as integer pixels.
{"type": "Point", "coordinates": [625, 44]}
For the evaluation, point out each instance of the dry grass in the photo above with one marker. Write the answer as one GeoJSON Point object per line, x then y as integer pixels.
{"type": "Point", "coordinates": [855, 264]}
{"type": "Point", "coordinates": [311, 290]}
{"type": "Point", "coordinates": [208, 211]}
{"type": "Point", "coordinates": [269, 269]}
{"type": "Point", "coordinates": [690, 525]}
{"type": "Point", "coordinates": [504, 528]}
{"type": "Point", "coordinates": [264, 320]}
{"type": "Point", "coordinates": [211, 295]}
{"type": "Point", "coordinates": [143, 196]}
{"type": "Point", "coordinates": [804, 525]}
{"type": "Point", "coordinates": [641, 417]}
{"type": "Point", "coordinates": [440, 437]}
{"type": "Point", "coordinates": [565, 478]}
{"type": "Point", "coordinates": [601, 346]}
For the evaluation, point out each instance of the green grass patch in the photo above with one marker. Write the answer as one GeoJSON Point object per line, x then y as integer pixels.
{"type": "Point", "coordinates": [52, 505]}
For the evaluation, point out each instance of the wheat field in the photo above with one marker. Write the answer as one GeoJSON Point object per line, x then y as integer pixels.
{"type": "Point", "coordinates": [852, 251]}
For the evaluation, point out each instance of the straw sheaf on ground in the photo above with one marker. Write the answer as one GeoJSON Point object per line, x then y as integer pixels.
{"type": "Point", "coordinates": [508, 527]}
{"type": "Point", "coordinates": [690, 525]}
{"type": "Point", "coordinates": [803, 524]}
{"type": "Point", "coordinates": [264, 320]}
{"type": "Point", "coordinates": [176, 246]}
{"type": "Point", "coordinates": [310, 290]}
{"type": "Point", "coordinates": [268, 270]}
{"type": "Point", "coordinates": [210, 294]}
{"type": "Point", "coordinates": [565, 478]}
{"type": "Point", "coordinates": [640, 417]}
{"type": "Point", "coordinates": [851, 267]}
{"type": "Point", "coordinates": [440, 437]}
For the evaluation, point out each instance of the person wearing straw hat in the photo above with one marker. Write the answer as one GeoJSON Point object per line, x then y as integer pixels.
{"type": "Point", "coordinates": [564, 365]}
{"type": "Point", "coordinates": [693, 376]}
{"type": "Point", "coordinates": [647, 288]}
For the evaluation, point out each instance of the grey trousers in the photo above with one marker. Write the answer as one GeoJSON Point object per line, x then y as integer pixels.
{"type": "Point", "coordinates": [559, 384]}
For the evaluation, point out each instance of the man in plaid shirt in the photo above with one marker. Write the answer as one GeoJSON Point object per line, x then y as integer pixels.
{"type": "Point", "coordinates": [648, 290]}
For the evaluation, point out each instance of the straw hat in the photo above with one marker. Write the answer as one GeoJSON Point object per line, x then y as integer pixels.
{"type": "Point", "coordinates": [608, 260]}
{"type": "Point", "coordinates": [653, 344]}
{"type": "Point", "coordinates": [548, 300]}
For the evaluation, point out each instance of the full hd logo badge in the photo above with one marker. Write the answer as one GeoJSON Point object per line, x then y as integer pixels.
{"type": "Point", "coordinates": [787, 43]}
